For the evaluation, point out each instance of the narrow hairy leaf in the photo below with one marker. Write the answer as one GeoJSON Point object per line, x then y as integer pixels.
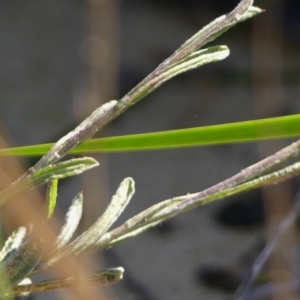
{"type": "Point", "coordinates": [13, 243]}
{"type": "Point", "coordinates": [194, 60]}
{"type": "Point", "coordinates": [72, 220]}
{"type": "Point", "coordinates": [64, 169]}
{"type": "Point", "coordinates": [117, 205]}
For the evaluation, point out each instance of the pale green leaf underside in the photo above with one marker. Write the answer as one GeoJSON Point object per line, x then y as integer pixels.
{"type": "Point", "coordinates": [247, 131]}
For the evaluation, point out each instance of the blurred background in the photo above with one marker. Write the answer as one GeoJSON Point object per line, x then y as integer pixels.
{"type": "Point", "coordinates": [62, 59]}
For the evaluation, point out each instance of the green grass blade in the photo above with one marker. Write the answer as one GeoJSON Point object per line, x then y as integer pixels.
{"type": "Point", "coordinates": [247, 131]}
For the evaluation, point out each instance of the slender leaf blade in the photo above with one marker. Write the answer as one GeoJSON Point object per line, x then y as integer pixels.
{"type": "Point", "coordinates": [72, 220]}
{"type": "Point", "coordinates": [51, 195]}
{"type": "Point", "coordinates": [238, 132]}
{"type": "Point", "coordinates": [114, 209]}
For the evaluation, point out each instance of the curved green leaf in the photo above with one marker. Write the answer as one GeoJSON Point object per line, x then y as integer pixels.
{"type": "Point", "coordinates": [51, 196]}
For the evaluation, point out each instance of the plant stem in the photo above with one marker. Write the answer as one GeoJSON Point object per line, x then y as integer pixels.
{"type": "Point", "coordinates": [235, 184]}
{"type": "Point", "coordinates": [259, 263]}
{"type": "Point", "coordinates": [110, 110]}
{"type": "Point", "coordinates": [106, 277]}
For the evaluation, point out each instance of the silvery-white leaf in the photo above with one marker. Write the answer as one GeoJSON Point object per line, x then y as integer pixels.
{"type": "Point", "coordinates": [117, 205]}
{"type": "Point", "coordinates": [72, 220]}
{"type": "Point", "coordinates": [13, 243]}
